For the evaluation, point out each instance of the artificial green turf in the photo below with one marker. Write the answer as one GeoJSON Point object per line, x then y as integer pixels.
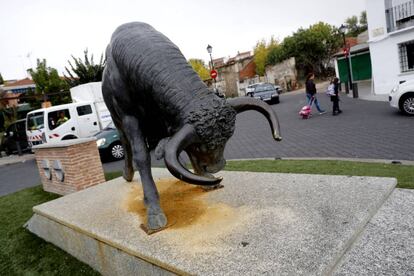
{"type": "Point", "coordinates": [112, 175]}
{"type": "Point", "coordinates": [403, 173]}
{"type": "Point", "coordinates": [22, 253]}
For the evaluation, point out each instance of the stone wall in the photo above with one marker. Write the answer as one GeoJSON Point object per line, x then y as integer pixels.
{"type": "Point", "coordinates": [69, 166]}
{"type": "Point", "coordinates": [283, 74]}
{"type": "Point", "coordinates": [228, 75]}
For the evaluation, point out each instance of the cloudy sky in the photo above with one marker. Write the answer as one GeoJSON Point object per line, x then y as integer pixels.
{"type": "Point", "coordinates": [56, 29]}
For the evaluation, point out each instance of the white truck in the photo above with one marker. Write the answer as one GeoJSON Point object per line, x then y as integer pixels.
{"type": "Point", "coordinates": [83, 118]}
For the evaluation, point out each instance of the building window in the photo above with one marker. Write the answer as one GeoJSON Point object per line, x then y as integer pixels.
{"type": "Point", "coordinates": [406, 56]}
{"type": "Point", "coordinates": [399, 15]}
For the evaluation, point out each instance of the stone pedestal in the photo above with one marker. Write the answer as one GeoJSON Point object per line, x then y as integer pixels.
{"type": "Point", "coordinates": [259, 223]}
{"type": "Point", "coordinates": [69, 166]}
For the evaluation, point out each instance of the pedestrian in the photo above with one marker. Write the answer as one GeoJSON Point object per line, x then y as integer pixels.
{"type": "Point", "coordinates": [311, 92]}
{"type": "Point", "coordinates": [335, 97]}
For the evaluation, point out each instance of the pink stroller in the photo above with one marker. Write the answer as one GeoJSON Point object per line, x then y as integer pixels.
{"type": "Point", "coordinates": [306, 111]}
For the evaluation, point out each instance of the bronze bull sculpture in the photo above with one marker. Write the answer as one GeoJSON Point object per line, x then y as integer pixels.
{"type": "Point", "coordinates": [157, 101]}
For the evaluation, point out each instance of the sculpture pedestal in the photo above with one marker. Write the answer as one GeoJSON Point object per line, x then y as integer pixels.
{"type": "Point", "coordinates": [70, 165]}
{"type": "Point", "coordinates": [258, 223]}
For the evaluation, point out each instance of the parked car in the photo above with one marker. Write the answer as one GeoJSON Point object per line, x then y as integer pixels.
{"type": "Point", "coordinates": [402, 97]}
{"type": "Point", "coordinates": [15, 135]}
{"type": "Point", "coordinates": [266, 92]}
{"type": "Point", "coordinates": [109, 143]}
{"type": "Point", "coordinates": [250, 88]}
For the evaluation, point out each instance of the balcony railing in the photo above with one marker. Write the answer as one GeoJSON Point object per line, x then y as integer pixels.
{"type": "Point", "coordinates": [400, 16]}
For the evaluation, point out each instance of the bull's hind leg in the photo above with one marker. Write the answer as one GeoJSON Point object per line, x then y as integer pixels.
{"type": "Point", "coordinates": [155, 216]}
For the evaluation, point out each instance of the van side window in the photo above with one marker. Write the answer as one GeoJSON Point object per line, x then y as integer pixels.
{"type": "Point", "coordinates": [35, 121]}
{"type": "Point", "coordinates": [58, 118]}
{"type": "Point", "coordinates": [84, 110]}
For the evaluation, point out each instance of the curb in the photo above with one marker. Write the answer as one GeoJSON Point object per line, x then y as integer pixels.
{"type": "Point", "coordinates": [13, 159]}
{"type": "Point", "coordinates": [363, 160]}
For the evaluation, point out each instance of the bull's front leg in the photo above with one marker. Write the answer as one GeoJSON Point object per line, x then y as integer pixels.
{"type": "Point", "coordinates": [156, 218]}
{"type": "Point", "coordinates": [128, 173]}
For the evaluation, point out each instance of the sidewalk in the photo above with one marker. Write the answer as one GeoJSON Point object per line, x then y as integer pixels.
{"type": "Point", "coordinates": [12, 159]}
{"type": "Point", "coordinates": [320, 87]}
{"type": "Point", "coordinates": [365, 92]}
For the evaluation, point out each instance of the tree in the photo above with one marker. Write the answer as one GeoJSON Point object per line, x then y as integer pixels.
{"type": "Point", "coordinates": [84, 71]}
{"type": "Point", "coordinates": [1, 79]}
{"type": "Point", "coordinates": [355, 25]}
{"type": "Point", "coordinates": [260, 55]}
{"type": "Point", "coordinates": [363, 22]}
{"type": "Point", "coordinates": [276, 55]}
{"type": "Point", "coordinates": [200, 67]}
{"type": "Point", "coordinates": [261, 52]}
{"type": "Point", "coordinates": [48, 83]}
{"type": "Point", "coordinates": [312, 48]}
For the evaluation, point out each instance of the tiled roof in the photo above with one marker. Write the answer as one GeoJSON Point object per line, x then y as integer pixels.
{"type": "Point", "coordinates": [22, 82]}
{"type": "Point", "coordinates": [249, 71]}
{"type": "Point", "coordinates": [351, 41]}
{"type": "Point", "coordinates": [222, 62]}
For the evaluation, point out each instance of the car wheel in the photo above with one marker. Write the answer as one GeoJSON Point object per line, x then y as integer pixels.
{"type": "Point", "coordinates": [276, 100]}
{"type": "Point", "coordinates": [117, 151]}
{"type": "Point", "coordinates": [407, 104]}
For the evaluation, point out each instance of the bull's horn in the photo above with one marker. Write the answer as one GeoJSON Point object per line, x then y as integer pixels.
{"type": "Point", "coordinates": [182, 139]}
{"type": "Point", "coordinates": [247, 103]}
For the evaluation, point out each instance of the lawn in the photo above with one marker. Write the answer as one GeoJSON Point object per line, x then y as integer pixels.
{"type": "Point", "coordinates": [22, 253]}
{"type": "Point", "coordinates": [403, 173]}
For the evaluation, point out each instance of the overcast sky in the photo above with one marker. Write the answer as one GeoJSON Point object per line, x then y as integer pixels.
{"type": "Point", "coordinates": [55, 29]}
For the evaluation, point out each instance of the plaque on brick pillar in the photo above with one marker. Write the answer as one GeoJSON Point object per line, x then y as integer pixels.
{"type": "Point", "coordinates": [69, 166]}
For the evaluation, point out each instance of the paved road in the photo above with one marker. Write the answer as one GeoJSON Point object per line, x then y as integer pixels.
{"type": "Point", "coordinates": [365, 129]}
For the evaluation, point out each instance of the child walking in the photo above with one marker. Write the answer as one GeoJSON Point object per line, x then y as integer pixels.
{"type": "Point", "coordinates": [335, 97]}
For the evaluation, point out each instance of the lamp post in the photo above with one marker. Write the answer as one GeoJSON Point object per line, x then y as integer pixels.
{"type": "Point", "coordinates": [210, 50]}
{"type": "Point", "coordinates": [342, 29]}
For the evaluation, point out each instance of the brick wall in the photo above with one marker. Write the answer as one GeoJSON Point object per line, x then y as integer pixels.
{"type": "Point", "coordinates": [80, 163]}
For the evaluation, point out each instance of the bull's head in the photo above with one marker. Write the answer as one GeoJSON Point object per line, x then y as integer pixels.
{"type": "Point", "coordinates": [208, 159]}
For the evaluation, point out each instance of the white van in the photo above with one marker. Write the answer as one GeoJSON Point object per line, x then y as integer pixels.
{"type": "Point", "coordinates": [83, 118]}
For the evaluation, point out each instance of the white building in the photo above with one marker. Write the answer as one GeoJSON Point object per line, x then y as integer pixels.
{"type": "Point", "coordinates": [391, 42]}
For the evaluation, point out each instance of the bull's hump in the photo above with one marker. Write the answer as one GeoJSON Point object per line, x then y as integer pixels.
{"type": "Point", "coordinates": [133, 26]}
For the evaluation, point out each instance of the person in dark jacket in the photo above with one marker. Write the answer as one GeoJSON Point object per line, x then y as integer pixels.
{"type": "Point", "coordinates": [335, 98]}
{"type": "Point", "coordinates": [311, 92]}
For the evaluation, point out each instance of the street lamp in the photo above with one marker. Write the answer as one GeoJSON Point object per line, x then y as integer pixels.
{"type": "Point", "coordinates": [210, 50]}
{"type": "Point", "coordinates": [342, 30]}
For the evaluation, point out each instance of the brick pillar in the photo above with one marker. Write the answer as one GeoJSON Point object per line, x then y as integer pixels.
{"type": "Point", "coordinates": [69, 166]}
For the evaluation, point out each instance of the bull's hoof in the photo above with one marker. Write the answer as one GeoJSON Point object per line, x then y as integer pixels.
{"type": "Point", "coordinates": [128, 175]}
{"type": "Point", "coordinates": [213, 187]}
{"type": "Point", "coordinates": [160, 149]}
{"type": "Point", "coordinates": [156, 221]}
